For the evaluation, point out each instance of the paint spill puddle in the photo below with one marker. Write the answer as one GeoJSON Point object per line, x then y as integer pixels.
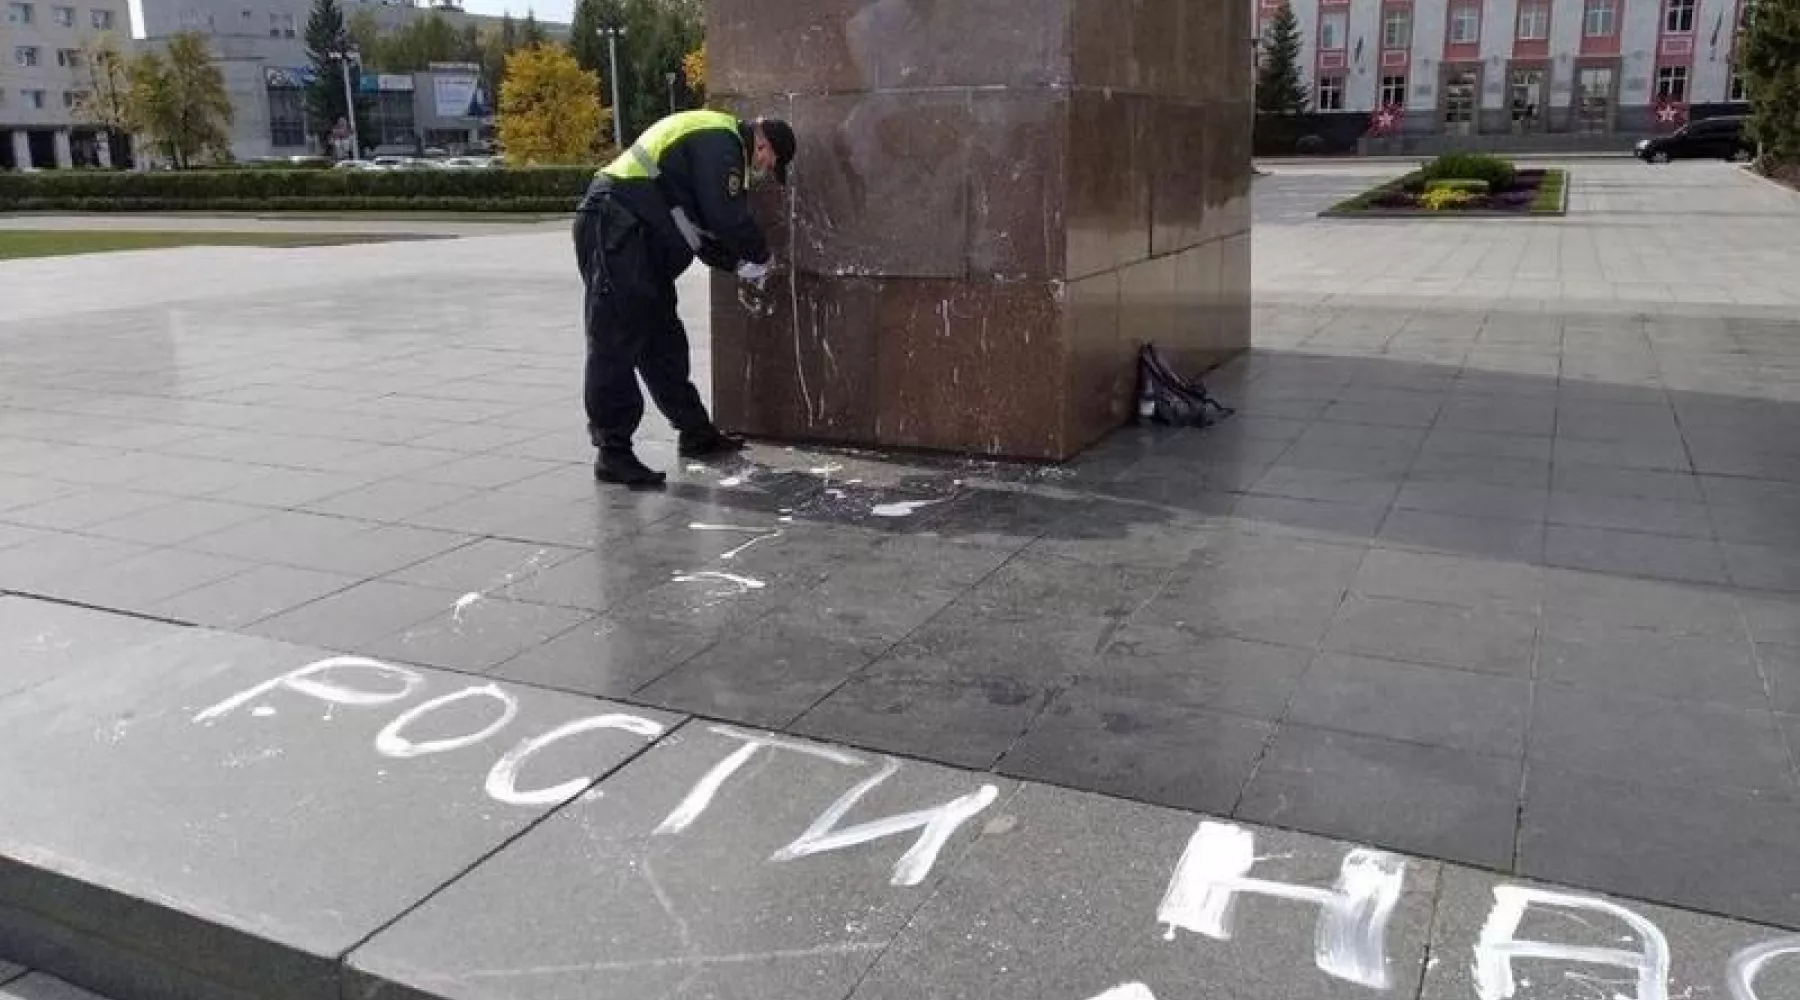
{"type": "Point", "coordinates": [902, 508]}
{"type": "Point", "coordinates": [744, 584]}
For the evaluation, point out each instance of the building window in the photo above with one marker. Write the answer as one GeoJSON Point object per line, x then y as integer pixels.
{"type": "Point", "coordinates": [1740, 89]}
{"type": "Point", "coordinates": [1679, 18]}
{"type": "Point", "coordinates": [1331, 93]}
{"type": "Point", "coordinates": [18, 13]}
{"type": "Point", "coordinates": [1672, 83]}
{"type": "Point", "coordinates": [73, 97]}
{"type": "Point", "coordinates": [1600, 19]}
{"type": "Point", "coordinates": [33, 98]}
{"type": "Point", "coordinates": [1396, 28]}
{"type": "Point", "coordinates": [1534, 21]}
{"type": "Point", "coordinates": [63, 17]}
{"type": "Point", "coordinates": [1465, 25]}
{"type": "Point", "coordinates": [281, 25]}
{"type": "Point", "coordinates": [1332, 29]}
{"type": "Point", "coordinates": [287, 117]}
{"type": "Point", "coordinates": [68, 58]}
{"type": "Point", "coordinates": [1393, 90]}
{"type": "Point", "coordinates": [26, 55]}
{"type": "Point", "coordinates": [102, 20]}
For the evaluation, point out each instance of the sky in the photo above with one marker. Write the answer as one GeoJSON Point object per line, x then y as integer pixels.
{"type": "Point", "coordinates": [547, 10]}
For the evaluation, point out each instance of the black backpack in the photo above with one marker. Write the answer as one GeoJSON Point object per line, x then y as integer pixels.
{"type": "Point", "coordinates": [1164, 397]}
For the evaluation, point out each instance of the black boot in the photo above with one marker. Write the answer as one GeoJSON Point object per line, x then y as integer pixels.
{"type": "Point", "coordinates": [621, 466]}
{"type": "Point", "coordinates": [710, 443]}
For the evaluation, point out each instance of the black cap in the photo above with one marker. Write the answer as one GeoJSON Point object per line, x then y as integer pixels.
{"type": "Point", "coordinates": [781, 140]}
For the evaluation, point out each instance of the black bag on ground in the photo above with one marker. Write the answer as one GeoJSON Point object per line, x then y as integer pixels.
{"type": "Point", "coordinates": [1166, 398]}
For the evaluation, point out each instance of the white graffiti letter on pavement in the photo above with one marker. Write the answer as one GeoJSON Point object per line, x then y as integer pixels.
{"type": "Point", "coordinates": [1498, 947]}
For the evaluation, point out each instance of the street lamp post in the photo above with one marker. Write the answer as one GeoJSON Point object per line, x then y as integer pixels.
{"type": "Point", "coordinates": [344, 57]}
{"type": "Point", "coordinates": [613, 34]}
{"type": "Point", "coordinates": [671, 78]}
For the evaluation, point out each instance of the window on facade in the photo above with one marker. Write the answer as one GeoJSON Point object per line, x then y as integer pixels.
{"type": "Point", "coordinates": [1396, 28]}
{"type": "Point", "coordinates": [25, 55]}
{"type": "Point", "coordinates": [1740, 89]}
{"type": "Point", "coordinates": [1600, 18]}
{"type": "Point", "coordinates": [68, 58]}
{"type": "Point", "coordinates": [287, 117]}
{"type": "Point", "coordinates": [19, 13]}
{"type": "Point", "coordinates": [73, 97]}
{"type": "Point", "coordinates": [1679, 17]}
{"type": "Point", "coordinates": [1672, 83]}
{"type": "Point", "coordinates": [1534, 20]}
{"type": "Point", "coordinates": [1393, 90]}
{"type": "Point", "coordinates": [63, 17]}
{"type": "Point", "coordinates": [1332, 29]}
{"type": "Point", "coordinates": [33, 98]}
{"type": "Point", "coordinates": [1465, 25]}
{"type": "Point", "coordinates": [1331, 93]}
{"type": "Point", "coordinates": [102, 20]}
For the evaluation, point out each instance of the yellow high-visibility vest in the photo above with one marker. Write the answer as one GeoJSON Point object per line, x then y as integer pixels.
{"type": "Point", "coordinates": [643, 161]}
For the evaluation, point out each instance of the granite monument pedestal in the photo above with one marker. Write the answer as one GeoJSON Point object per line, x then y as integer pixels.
{"type": "Point", "coordinates": [992, 207]}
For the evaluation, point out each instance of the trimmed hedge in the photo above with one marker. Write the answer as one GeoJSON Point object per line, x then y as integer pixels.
{"type": "Point", "coordinates": [1498, 173]}
{"type": "Point", "coordinates": [546, 189]}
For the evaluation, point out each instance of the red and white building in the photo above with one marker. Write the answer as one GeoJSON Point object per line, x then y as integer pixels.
{"type": "Point", "coordinates": [1520, 67]}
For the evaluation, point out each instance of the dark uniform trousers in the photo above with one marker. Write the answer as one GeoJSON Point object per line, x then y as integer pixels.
{"type": "Point", "coordinates": [633, 326]}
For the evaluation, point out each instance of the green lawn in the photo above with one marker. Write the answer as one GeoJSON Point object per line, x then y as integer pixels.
{"type": "Point", "coordinates": [20, 243]}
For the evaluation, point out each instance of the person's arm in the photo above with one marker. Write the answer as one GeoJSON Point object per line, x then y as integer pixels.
{"type": "Point", "coordinates": [721, 197]}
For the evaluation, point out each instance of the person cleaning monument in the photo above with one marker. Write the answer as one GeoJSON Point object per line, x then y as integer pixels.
{"type": "Point", "coordinates": [678, 193]}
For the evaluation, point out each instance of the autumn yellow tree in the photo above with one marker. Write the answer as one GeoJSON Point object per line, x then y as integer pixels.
{"type": "Point", "coordinates": [693, 69]}
{"type": "Point", "coordinates": [549, 108]}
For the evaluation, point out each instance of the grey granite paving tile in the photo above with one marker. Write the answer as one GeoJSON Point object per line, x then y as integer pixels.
{"type": "Point", "coordinates": [1657, 517]}
{"type": "Point", "coordinates": [483, 471]}
{"type": "Point", "coordinates": [651, 902]}
{"type": "Point", "coordinates": [284, 772]}
{"type": "Point", "coordinates": [609, 656]}
{"type": "Point", "coordinates": [1430, 800]}
{"type": "Point", "coordinates": [1047, 584]}
{"type": "Point", "coordinates": [1699, 949]}
{"type": "Point", "coordinates": [490, 566]}
{"type": "Point", "coordinates": [1179, 668]}
{"type": "Point", "coordinates": [1495, 538]}
{"type": "Point", "coordinates": [1449, 708]}
{"type": "Point", "coordinates": [1496, 470]}
{"type": "Point", "coordinates": [1450, 579]}
{"type": "Point", "coordinates": [1489, 639]}
{"type": "Point", "coordinates": [355, 618]}
{"type": "Point", "coordinates": [1609, 481]}
{"type": "Point", "coordinates": [176, 521]}
{"type": "Point", "coordinates": [900, 706]}
{"type": "Point", "coordinates": [40, 562]}
{"type": "Point", "coordinates": [1482, 442]}
{"type": "Point", "coordinates": [1475, 500]}
{"type": "Point", "coordinates": [281, 488]}
{"type": "Point", "coordinates": [1310, 518]}
{"type": "Point", "coordinates": [1656, 741]}
{"type": "Point", "coordinates": [1765, 567]}
{"type": "Point", "coordinates": [140, 583]}
{"type": "Point", "coordinates": [38, 986]}
{"type": "Point", "coordinates": [1780, 664]}
{"type": "Point", "coordinates": [1772, 617]}
{"type": "Point", "coordinates": [391, 500]}
{"type": "Point", "coordinates": [1715, 849]}
{"type": "Point", "coordinates": [768, 673]}
{"type": "Point", "coordinates": [1697, 560]}
{"type": "Point", "coordinates": [476, 634]}
{"type": "Point", "coordinates": [1656, 454]}
{"type": "Point", "coordinates": [13, 534]}
{"type": "Point", "coordinates": [43, 640]}
{"type": "Point", "coordinates": [250, 596]}
{"type": "Point", "coordinates": [1665, 606]}
{"type": "Point", "coordinates": [1141, 749]}
{"type": "Point", "coordinates": [24, 491]}
{"type": "Point", "coordinates": [1074, 934]}
{"type": "Point", "coordinates": [10, 971]}
{"type": "Point", "coordinates": [77, 511]}
{"type": "Point", "coordinates": [1606, 657]}
{"type": "Point", "coordinates": [1356, 488]}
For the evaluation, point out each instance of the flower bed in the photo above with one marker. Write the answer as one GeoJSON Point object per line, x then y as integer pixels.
{"type": "Point", "coordinates": [1463, 186]}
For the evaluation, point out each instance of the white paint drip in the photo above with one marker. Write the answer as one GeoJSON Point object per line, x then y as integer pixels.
{"type": "Point", "coordinates": [903, 508]}
{"type": "Point", "coordinates": [701, 526]}
{"type": "Point", "coordinates": [1746, 965]}
{"type": "Point", "coordinates": [737, 480]}
{"type": "Point", "coordinates": [1497, 948]}
{"type": "Point", "coordinates": [733, 554]}
{"type": "Point", "coordinates": [825, 470]}
{"type": "Point", "coordinates": [937, 824]}
{"type": "Point", "coordinates": [464, 603]}
{"type": "Point", "coordinates": [301, 681]}
{"type": "Point", "coordinates": [263, 711]}
{"type": "Point", "coordinates": [744, 584]}
{"type": "Point", "coordinates": [1349, 940]}
{"type": "Point", "coordinates": [1129, 991]}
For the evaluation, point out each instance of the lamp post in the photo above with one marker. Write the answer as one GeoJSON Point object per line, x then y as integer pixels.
{"type": "Point", "coordinates": [671, 78]}
{"type": "Point", "coordinates": [612, 34]}
{"type": "Point", "coordinates": [344, 56]}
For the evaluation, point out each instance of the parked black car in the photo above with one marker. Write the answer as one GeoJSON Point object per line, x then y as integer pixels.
{"type": "Point", "coordinates": [1721, 138]}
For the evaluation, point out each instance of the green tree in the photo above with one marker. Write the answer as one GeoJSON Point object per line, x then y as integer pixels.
{"type": "Point", "coordinates": [1771, 67]}
{"type": "Point", "coordinates": [657, 36]}
{"type": "Point", "coordinates": [328, 39]}
{"type": "Point", "coordinates": [1280, 87]}
{"type": "Point", "coordinates": [549, 108]}
{"type": "Point", "coordinates": [105, 100]}
{"type": "Point", "coordinates": [177, 99]}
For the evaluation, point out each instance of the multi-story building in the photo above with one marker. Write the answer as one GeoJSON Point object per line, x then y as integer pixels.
{"type": "Point", "coordinates": [261, 49]}
{"type": "Point", "coordinates": [42, 81]}
{"type": "Point", "coordinates": [1461, 68]}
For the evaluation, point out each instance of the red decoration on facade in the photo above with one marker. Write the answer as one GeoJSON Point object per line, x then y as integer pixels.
{"type": "Point", "coordinates": [1386, 119]}
{"type": "Point", "coordinates": [1670, 115]}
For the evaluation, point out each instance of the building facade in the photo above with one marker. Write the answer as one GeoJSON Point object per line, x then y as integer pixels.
{"type": "Point", "coordinates": [1484, 68]}
{"type": "Point", "coordinates": [42, 81]}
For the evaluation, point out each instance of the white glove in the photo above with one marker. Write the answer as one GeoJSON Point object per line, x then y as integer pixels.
{"type": "Point", "coordinates": [754, 274]}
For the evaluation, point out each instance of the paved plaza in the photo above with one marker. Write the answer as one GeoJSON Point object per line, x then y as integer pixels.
{"type": "Point", "coordinates": [1496, 568]}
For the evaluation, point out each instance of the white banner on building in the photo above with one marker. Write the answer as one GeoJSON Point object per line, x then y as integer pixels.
{"type": "Point", "coordinates": [453, 94]}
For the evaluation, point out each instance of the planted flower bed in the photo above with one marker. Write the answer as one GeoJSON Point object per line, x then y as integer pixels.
{"type": "Point", "coordinates": [1463, 185]}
